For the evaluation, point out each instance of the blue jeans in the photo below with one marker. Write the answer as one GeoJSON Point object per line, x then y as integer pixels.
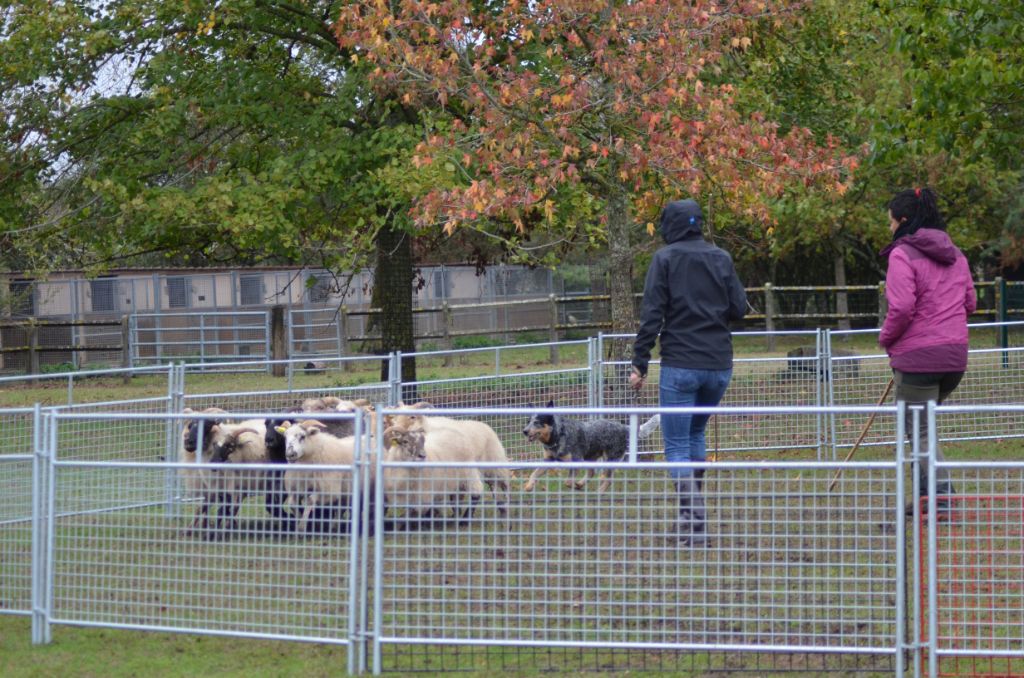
{"type": "Point", "coordinates": [684, 433]}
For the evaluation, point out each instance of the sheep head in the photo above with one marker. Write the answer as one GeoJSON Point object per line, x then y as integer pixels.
{"type": "Point", "coordinates": [407, 421]}
{"type": "Point", "coordinates": [227, 441]}
{"type": "Point", "coordinates": [325, 404]}
{"type": "Point", "coordinates": [406, 445]}
{"type": "Point", "coordinates": [190, 434]}
{"type": "Point", "coordinates": [297, 435]}
{"type": "Point", "coordinates": [353, 405]}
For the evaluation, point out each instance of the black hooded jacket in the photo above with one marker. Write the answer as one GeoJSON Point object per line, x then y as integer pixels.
{"type": "Point", "coordinates": [691, 293]}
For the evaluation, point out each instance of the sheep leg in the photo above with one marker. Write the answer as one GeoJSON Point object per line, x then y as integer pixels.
{"type": "Point", "coordinates": [303, 525]}
{"type": "Point", "coordinates": [324, 518]}
{"type": "Point", "coordinates": [499, 487]}
{"type": "Point", "coordinates": [467, 514]}
{"type": "Point", "coordinates": [201, 517]}
{"type": "Point", "coordinates": [273, 504]}
{"type": "Point", "coordinates": [537, 473]}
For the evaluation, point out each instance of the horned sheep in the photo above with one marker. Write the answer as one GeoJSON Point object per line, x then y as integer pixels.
{"type": "Point", "coordinates": [238, 444]}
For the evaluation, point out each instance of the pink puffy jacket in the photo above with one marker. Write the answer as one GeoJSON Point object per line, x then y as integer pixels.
{"type": "Point", "coordinates": [930, 294]}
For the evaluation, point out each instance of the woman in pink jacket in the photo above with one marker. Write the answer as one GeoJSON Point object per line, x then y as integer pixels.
{"type": "Point", "coordinates": [930, 293]}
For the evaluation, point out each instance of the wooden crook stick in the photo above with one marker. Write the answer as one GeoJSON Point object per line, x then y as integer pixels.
{"type": "Point", "coordinates": [863, 433]}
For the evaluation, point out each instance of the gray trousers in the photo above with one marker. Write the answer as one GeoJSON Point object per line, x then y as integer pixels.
{"type": "Point", "coordinates": [916, 388]}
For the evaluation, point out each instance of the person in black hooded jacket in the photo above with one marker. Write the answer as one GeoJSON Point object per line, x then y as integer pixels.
{"type": "Point", "coordinates": [691, 294]}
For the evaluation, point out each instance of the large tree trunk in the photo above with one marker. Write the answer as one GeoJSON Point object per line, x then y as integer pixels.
{"type": "Point", "coordinates": [623, 303]}
{"type": "Point", "coordinates": [392, 292]}
{"type": "Point", "coordinates": [620, 264]}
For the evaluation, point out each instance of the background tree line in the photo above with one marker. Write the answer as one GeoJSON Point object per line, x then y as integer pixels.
{"type": "Point", "coordinates": [386, 134]}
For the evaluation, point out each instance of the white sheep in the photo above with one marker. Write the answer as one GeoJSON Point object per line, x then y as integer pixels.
{"type": "Point", "coordinates": [462, 440]}
{"type": "Point", "coordinates": [308, 444]}
{"type": "Point", "coordinates": [425, 490]}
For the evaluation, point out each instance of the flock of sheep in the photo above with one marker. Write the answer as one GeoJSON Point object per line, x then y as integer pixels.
{"type": "Point", "coordinates": [304, 498]}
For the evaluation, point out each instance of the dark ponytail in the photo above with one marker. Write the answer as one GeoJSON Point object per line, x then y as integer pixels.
{"type": "Point", "coordinates": [916, 208]}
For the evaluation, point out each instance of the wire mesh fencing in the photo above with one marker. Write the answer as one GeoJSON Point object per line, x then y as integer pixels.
{"type": "Point", "coordinates": [217, 555]}
{"type": "Point", "coordinates": [467, 562]}
{"type": "Point", "coordinates": [787, 564]}
{"type": "Point", "coordinates": [972, 564]}
{"type": "Point", "coordinates": [17, 486]}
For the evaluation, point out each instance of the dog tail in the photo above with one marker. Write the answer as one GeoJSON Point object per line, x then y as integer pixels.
{"type": "Point", "coordinates": [648, 428]}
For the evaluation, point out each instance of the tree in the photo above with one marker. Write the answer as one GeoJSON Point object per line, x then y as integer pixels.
{"type": "Point", "coordinates": [844, 68]}
{"type": "Point", "coordinates": [160, 131]}
{"type": "Point", "coordinates": [573, 120]}
{"type": "Point", "coordinates": [963, 65]}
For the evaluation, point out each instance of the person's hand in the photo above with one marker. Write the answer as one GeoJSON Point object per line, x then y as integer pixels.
{"type": "Point", "coordinates": [636, 380]}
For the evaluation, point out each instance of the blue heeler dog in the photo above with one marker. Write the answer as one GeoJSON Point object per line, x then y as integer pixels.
{"type": "Point", "coordinates": [566, 439]}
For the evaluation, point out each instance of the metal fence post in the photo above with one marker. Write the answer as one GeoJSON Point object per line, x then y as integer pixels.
{"type": "Point", "coordinates": [343, 337]}
{"type": "Point", "coordinates": [356, 584]}
{"type": "Point", "coordinates": [175, 404]}
{"type": "Point", "coordinates": [827, 392]}
{"type": "Point", "coordinates": [769, 314]}
{"type": "Point", "coordinates": [267, 331]}
{"type": "Point", "coordinates": [901, 545]}
{"type": "Point", "coordinates": [553, 336]}
{"type": "Point", "coordinates": [50, 435]}
{"type": "Point", "coordinates": [822, 396]}
{"type": "Point", "coordinates": [1003, 337]}
{"type": "Point", "coordinates": [378, 546]}
{"type": "Point", "coordinates": [38, 564]}
{"type": "Point", "coordinates": [592, 363]}
{"type": "Point", "coordinates": [202, 337]}
{"type": "Point", "coordinates": [933, 556]}
{"type": "Point", "coordinates": [157, 298]}
{"type": "Point", "coordinates": [394, 378]}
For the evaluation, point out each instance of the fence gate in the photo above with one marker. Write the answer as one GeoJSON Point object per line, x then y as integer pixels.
{"type": "Point", "coordinates": [200, 337]}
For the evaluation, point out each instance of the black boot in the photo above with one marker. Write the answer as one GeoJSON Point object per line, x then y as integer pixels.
{"type": "Point", "coordinates": [691, 529]}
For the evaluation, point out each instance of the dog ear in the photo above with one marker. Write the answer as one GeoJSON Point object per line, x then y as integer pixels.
{"type": "Point", "coordinates": [551, 403]}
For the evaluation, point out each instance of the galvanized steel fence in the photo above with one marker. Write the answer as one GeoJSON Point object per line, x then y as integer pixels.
{"type": "Point", "coordinates": [96, 532]}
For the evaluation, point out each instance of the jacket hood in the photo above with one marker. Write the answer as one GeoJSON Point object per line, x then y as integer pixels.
{"type": "Point", "coordinates": [681, 220]}
{"type": "Point", "coordinates": [931, 242]}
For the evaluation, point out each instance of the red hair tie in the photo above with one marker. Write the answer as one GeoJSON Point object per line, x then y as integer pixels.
{"type": "Point", "coordinates": [917, 192]}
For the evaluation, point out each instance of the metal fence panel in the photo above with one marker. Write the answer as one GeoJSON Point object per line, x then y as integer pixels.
{"type": "Point", "coordinates": [200, 337]}
{"type": "Point", "coordinates": [16, 488]}
{"type": "Point", "coordinates": [315, 331]}
{"type": "Point", "coordinates": [788, 376]}
{"type": "Point", "coordinates": [977, 583]}
{"type": "Point", "coordinates": [790, 565]}
{"type": "Point", "coordinates": [128, 563]}
{"type": "Point", "coordinates": [993, 376]}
